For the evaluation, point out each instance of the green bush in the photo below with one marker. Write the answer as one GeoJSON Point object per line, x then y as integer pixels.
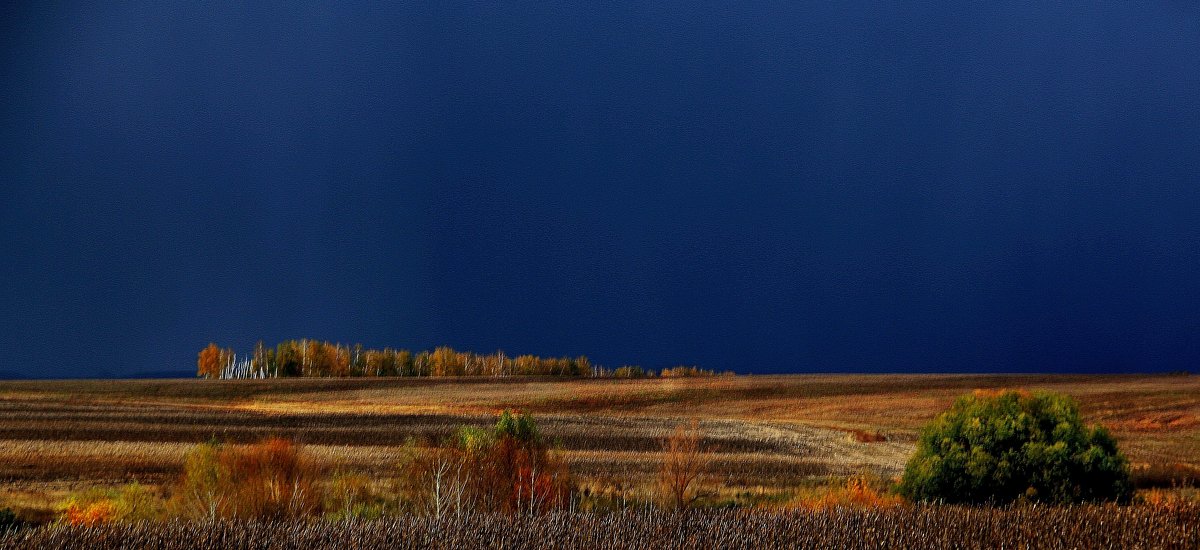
{"type": "Point", "coordinates": [519, 427]}
{"type": "Point", "coordinates": [1013, 445]}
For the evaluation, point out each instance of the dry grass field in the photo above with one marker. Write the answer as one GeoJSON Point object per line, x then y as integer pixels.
{"type": "Point", "coordinates": [916, 527]}
{"type": "Point", "coordinates": [765, 434]}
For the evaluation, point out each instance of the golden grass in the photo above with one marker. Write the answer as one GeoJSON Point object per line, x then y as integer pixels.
{"type": "Point", "coordinates": [772, 431]}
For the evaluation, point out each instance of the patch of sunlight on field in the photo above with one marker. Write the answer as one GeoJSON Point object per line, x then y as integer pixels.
{"type": "Point", "coordinates": [762, 430]}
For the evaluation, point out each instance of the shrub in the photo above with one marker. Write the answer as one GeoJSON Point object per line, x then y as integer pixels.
{"type": "Point", "coordinates": [1165, 499]}
{"type": "Point", "coordinates": [858, 492]}
{"type": "Point", "coordinates": [128, 504]}
{"type": "Point", "coordinates": [269, 480]}
{"type": "Point", "coordinates": [272, 480]}
{"type": "Point", "coordinates": [1011, 445]}
{"type": "Point", "coordinates": [350, 496]}
{"type": "Point", "coordinates": [88, 512]}
{"type": "Point", "coordinates": [521, 428]}
{"type": "Point", "coordinates": [202, 491]}
{"type": "Point", "coordinates": [506, 469]}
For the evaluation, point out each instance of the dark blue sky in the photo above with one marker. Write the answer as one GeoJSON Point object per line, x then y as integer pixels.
{"type": "Point", "coordinates": [756, 185]}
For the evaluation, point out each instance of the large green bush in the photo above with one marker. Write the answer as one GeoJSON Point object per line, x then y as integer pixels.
{"type": "Point", "coordinates": [1013, 445]}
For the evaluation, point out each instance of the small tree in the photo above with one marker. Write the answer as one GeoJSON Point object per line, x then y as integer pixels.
{"type": "Point", "coordinates": [1000, 447]}
{"type": "Point", "coordinates": [504, 469]}
{"type": "Point", "coordinates": [436, 481]}
{"type": "Point", "coordinates": [530, 478]}
{"type": "Point", "coordinates": [208, 362]}
{"type": "Point", "coordinates": [684, 462]}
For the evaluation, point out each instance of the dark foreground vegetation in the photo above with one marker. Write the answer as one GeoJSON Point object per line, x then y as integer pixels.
{"type": "Point", "coordinates": [904, 527]}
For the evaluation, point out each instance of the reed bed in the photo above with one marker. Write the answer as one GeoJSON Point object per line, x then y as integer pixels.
{"type": "Point", "coordinates": [902, 527]}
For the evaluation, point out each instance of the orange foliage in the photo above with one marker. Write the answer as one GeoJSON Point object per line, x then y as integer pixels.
{"type": "Point", "coordinates": [538, 480]}
{"type": "Point", "coordinates": [325, 359]}
{"type": "Point", "coordinates": [685, 372]}
{"type": "Point", "coordinates": [1158, 422]}
{"type": "Point", "coordinates": [1170, 500]}
{"type": "Point", "coordinates": [90, 514]}
{"type": "Point", "coordinates": [863, 436]}
{"type": "Point", "coordinates": [997, 392]}
{"type": "Point", "coordinates": [270, 480]}
{"type": "Point", "coordinates": [208, 362]}
{"type": "Point", "coordinates": [508, 470]}
{"type": "Point", "coordinates": [857, 493]}
{"type": "Point", "coordinates": [684, 463]}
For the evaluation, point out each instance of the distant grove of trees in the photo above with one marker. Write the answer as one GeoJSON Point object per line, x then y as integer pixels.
{"type": "Point", "coordinates": [312, 358]}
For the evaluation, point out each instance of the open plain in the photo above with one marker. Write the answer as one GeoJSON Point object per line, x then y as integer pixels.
{"type": "Point", "coordinates": [764, 434]}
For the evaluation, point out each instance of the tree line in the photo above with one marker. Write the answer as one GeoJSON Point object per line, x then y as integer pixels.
{"type": "Point", "coordinates": [313, 358]}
